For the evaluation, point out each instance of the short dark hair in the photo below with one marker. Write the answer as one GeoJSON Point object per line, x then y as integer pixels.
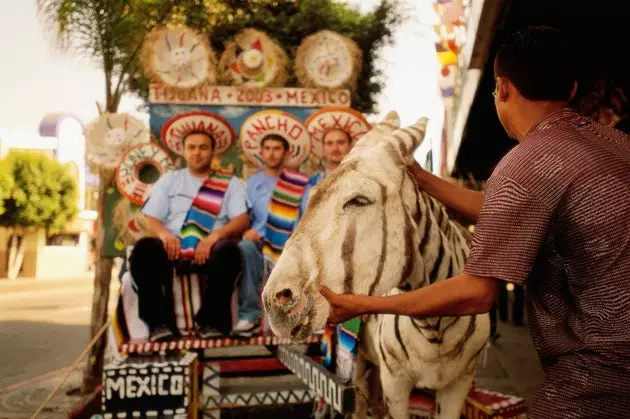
{"type": "Point", "coordinates": [275, 137]}
{"type": "Point", "coordinates": [540, 62]}
{"type": "Point", "coordinates": [213, 142]}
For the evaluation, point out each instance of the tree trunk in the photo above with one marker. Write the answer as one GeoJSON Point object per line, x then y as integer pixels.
{"type": "Point", "coordinates": [16, 255]}
{"type": "Point", "coordinates": [100, 298]}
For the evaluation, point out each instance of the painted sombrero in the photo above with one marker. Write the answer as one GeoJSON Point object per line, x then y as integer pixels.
{"type": "Point", "coordinates": [253, 59]}
{"type": "Point", "coordinates": [326, 119]}
{"type": "Point", "coordinates": [328, 59]}
{"type": "Point", "coordinates": [274, 121]}
{"type": "Point", "coordinates": [179, 57]}
{"type": "Point", "coordinates": [176, 128]}
{"type": "Point", "coordinates": [111, 135]}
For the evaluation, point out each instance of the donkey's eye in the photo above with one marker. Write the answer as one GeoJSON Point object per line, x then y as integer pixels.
{"type": "Point", "coordinates": [357, 201]}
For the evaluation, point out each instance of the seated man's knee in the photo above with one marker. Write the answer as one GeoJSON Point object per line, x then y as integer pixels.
{"type": "Point", "coordinates": [227, 249]}
{"type": "Point", "coordinates": [248, 247]}
{"type": "Point", "coordinates": [147, 245]}
{"type": "Point", "coordinates": [148, 254]}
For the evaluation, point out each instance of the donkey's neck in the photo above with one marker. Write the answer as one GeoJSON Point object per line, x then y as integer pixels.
{"type": "Point", "coordinates": [443, 247]}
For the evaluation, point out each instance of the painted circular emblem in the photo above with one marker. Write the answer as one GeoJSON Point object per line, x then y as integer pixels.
{"type": "Point", "coordinates": [179, 57]}
{"type": "Point", "coordinates": [176, 128]}
{"type": "Point", "coordinates": [129, 221]}
{"type": "Point", "coordinates": [326, 119]}
{"type": "Point", "coordinates": [111, 135]}
{"type": "Point", "coordinates": [327, 59]}
{"type": "Point", "coordinates": [253, 59]}
{"type": "Point", "coordinates": [133, 162]}
{"type": "Point", "coordinates": [263, 123]}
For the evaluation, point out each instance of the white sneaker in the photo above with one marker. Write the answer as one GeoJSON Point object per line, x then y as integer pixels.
{"type": "Point", "coordinates": [246, 329]}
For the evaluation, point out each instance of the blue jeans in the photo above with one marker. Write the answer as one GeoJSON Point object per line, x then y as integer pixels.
{"type": "Point", "coordinates": [249, 307]}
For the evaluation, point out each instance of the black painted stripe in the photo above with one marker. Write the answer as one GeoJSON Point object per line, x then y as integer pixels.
{"type": "Point", "coordinates": [438, 263]}
{"type": "Point", "coordinates": [347, 251]}
{"type": "Point", "coordinates": [421, 329]}
{"type": "Point", "coordinates": [380, 346]}
{"type": "Point", "coordinates": [459, 347]}
{"type": "Point", "coordinates": [398, 337]}
{"type": "Point", "coordinates": [409, 258]}
{"type": "Point", "coordinates": [394, 155]}
{"type": "Point", "coordinates": [384, 232]}
{"type": "Point", "coordinates": [450, 268]}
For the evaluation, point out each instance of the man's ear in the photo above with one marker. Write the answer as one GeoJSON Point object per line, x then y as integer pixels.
{"type": "Point", "coordinates": [503, 88]}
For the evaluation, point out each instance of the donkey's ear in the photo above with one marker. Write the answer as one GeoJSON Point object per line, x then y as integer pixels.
{"type": "Point", "coordinates": [407, 140]}
{"type": "Point", "coordinates": [392, 119]}
{"type": "Point", "coordinates": [378, 133]}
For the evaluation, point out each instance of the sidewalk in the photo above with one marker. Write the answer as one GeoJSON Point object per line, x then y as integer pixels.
{"type": "Point", "coordinates": [512, 368]}
{"type": "Point", "coordinates": [29, 284]}
{"type": "Point", "coordinates": [512, 365]}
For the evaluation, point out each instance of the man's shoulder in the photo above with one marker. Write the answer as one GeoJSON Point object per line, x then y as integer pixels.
{"type": "Point", "coordinates": [316, 178]}
{"type": "Point", "coordinates": [256, 178]}
{"type": "Point", "coordinates": [175, 174]}
{"type": "Point", "coordinates": [235, 183]}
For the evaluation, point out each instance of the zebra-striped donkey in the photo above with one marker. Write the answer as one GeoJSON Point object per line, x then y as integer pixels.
{"type": "Point", "coordinates": [368, 230]}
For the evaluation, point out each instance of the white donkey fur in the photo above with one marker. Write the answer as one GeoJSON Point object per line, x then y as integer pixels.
{"type": "Point", "coordinates": [364, 233]}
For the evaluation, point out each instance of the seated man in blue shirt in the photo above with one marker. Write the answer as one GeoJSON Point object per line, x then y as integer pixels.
{"type": "Point", "coordinates": [337, 144]}
{"type": "Point", "coordinates": [260, 187]}
{"type": "Point", "coordinates": [217, 255]}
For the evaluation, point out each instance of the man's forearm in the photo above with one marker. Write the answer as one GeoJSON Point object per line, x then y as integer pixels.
{"type": "Point", "coordinates": [234, 228]}
{"type": "Point", "coordinates": [459, 296]}
{"type": "Point", "coordinates": [155, 228]}
{"type": "Point", "coordinates": [464, 201]}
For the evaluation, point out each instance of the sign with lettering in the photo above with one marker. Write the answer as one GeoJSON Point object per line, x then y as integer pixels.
{"type": "Point", "coordinates": [247, 96]}
{"type": "Point", "coordinates": [128, 172]}
{"type": "Point", "coordinates": [274, 121]}
{"type": "Point", "coordinates": [176, 128]}
{"type": "Point", "coordinates": [332, 389]}
{"type": "Point", "coordinates": [333, 118]}
{"type": "Point", "coordinates": [154, 386]}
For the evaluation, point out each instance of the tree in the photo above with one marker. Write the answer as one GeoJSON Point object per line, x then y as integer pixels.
{"type": "Point", "coordinates": [289, 22]}
{"type": "Point", "coordinates": [111, 32]}
{"type": "Point", "coordinates": [6, 184]}
{"type": "Point", "coordinates": [43, 195]}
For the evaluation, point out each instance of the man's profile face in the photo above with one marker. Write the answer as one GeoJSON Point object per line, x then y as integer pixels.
{"type": "Point", "coordinates": [336, 146]}
{"type": "Point", "coordinates": [273, 153]}
{"type": "Point", "coordinates": [198, 152]}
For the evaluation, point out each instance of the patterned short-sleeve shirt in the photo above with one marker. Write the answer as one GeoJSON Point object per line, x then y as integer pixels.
{"type": "Point", "coordinates": [556, 218]}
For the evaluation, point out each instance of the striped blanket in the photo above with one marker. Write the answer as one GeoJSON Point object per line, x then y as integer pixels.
{"type": "Point", "coordinates": [284, 210]}
{"type": "Point", "coordinates": [203, 213]}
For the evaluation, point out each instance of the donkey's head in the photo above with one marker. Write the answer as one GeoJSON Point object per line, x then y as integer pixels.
{"type": "Point", "coordinates": [358, 234]}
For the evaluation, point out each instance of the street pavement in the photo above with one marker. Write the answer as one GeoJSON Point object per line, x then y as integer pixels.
{"type": "Point", "coordinates": [44, 328]}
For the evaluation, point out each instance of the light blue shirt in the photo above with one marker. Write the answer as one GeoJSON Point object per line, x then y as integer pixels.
{"type": "Point", "coordinates": [259, 190]}
{"type": "Point", "coordinates": [172, 196]}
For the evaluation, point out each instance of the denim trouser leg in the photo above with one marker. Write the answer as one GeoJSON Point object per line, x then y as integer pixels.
{"type": "Point", "coordinates": [249, 307]}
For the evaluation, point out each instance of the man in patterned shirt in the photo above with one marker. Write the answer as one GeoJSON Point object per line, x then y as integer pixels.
{"type": "Point", "coordinates": [556, 218]}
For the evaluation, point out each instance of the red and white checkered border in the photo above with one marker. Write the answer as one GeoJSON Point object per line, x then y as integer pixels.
{"type": "Point", "coordinates": [148, 347]}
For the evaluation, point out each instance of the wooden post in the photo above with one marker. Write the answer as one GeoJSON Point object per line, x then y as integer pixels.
{"type": "Point", "coordinates": [100, 297]}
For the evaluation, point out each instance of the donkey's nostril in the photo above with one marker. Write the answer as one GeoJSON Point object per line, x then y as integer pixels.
{"type": "Point", "coordinates": [284, 296]}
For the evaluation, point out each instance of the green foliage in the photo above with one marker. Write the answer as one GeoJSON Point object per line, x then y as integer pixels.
{"type": "Point", "coordinates": [6, 184]}
{"type": "Point", "coordinates": [289, 22]}
{"type": "Point", "coordinates": [110, 32]}
{"type": "Point", "coordinates": [44, 193]}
